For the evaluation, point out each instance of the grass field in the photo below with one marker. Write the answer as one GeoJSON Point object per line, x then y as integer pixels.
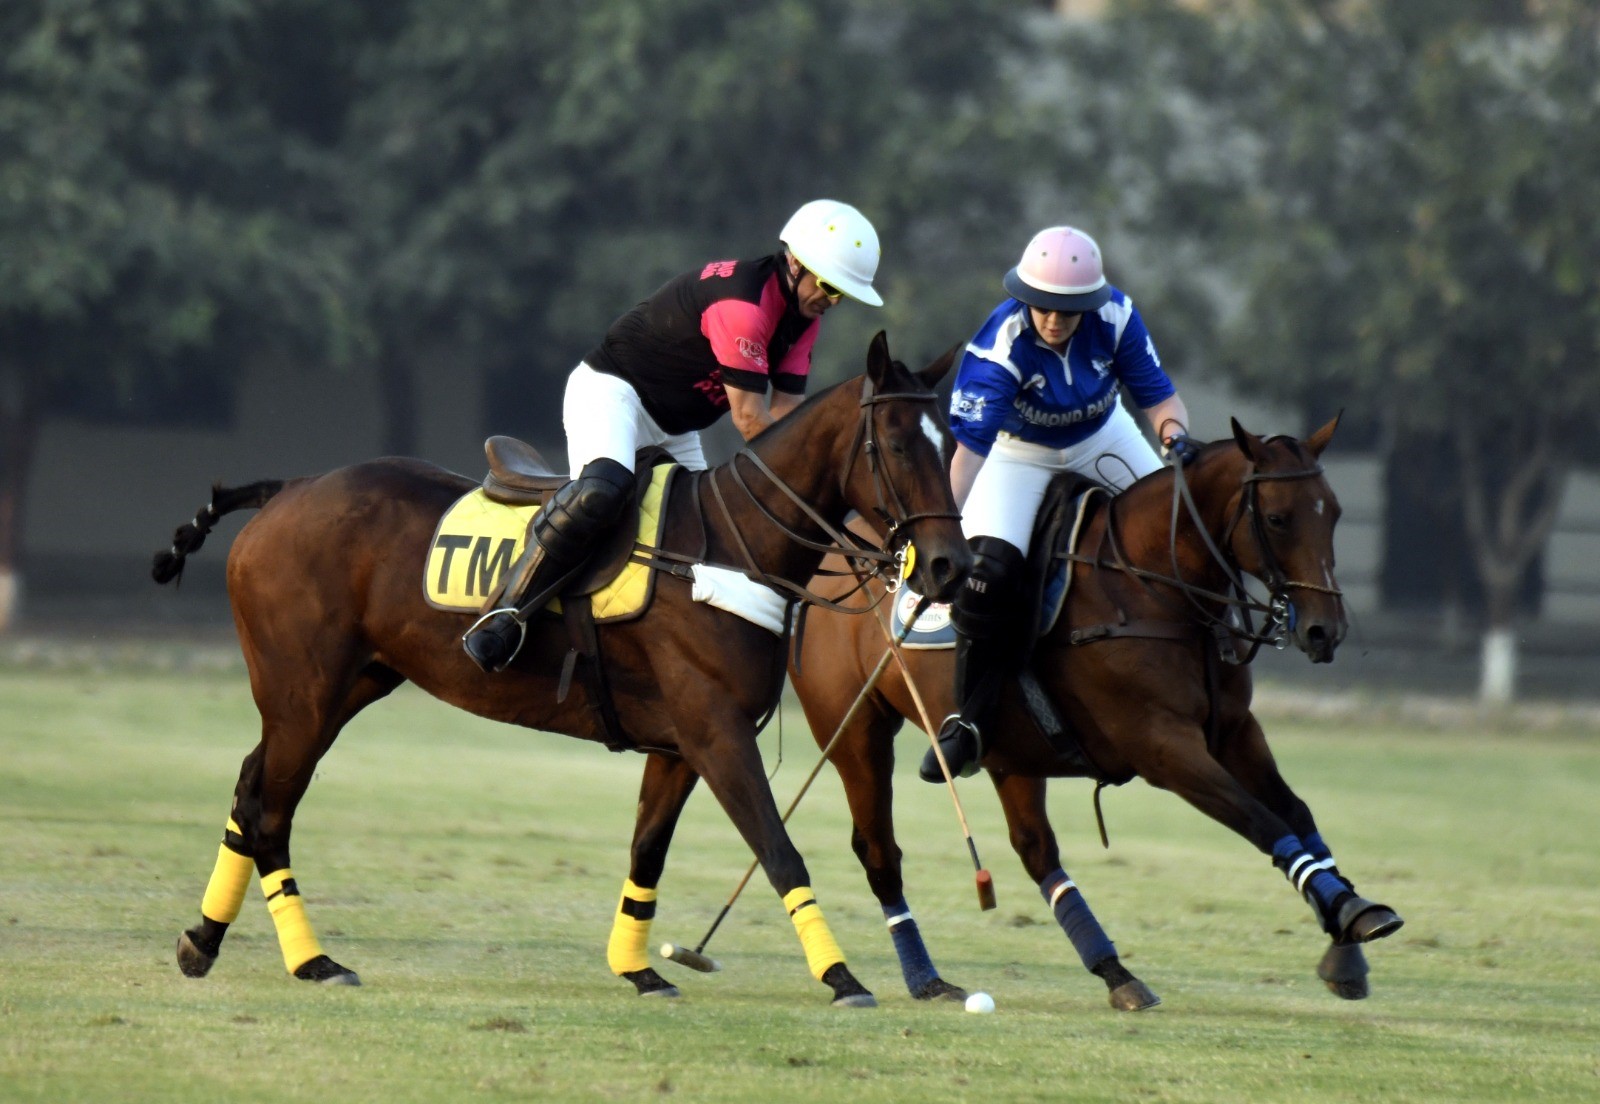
{"type": "Point", "coordinates": [469, 872]}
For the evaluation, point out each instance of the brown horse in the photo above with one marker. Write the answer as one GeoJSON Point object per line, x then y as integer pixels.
{"type": "Point", "coordinates": [1133, 669]}
{"type": "Point", "coordinates": [326, 588]}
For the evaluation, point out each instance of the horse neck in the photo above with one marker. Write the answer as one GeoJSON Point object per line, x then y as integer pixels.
{"type": "Point", "coordinates": [806, 452]}
{"type": "Point", "coordinates": [1144, 520]}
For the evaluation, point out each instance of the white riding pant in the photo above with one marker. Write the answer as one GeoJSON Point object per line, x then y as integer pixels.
{"type": "Point", "coordinates": [604, 417]}
{"type": "Point", "coordinates": [1010, 486]}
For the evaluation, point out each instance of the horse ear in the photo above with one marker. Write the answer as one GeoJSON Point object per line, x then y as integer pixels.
{"type": "Point", "coordinates": [879, 364]}
{"type": "Point", "coordinates": [1248, 442]}
{"type": "Point", "coordinates": [1319, 440]}
{"type": "Point", "coordinates": [933, 373]}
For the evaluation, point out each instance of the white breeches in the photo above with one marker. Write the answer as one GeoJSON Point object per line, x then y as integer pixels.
{"type": "Point", "coordinates": [603, 416]}
{"type": "Point", "coordinates": [1010, 486]}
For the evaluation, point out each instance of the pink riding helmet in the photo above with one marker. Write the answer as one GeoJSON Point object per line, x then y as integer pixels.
{"type": "Point", "coordinates": [1059, 271]}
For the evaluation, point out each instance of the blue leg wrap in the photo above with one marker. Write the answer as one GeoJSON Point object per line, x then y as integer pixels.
{"type": "Point", "coordinates": [1310, 875]}
{"type": "Point", "coordinates": [915, 964]}
{"type": "Point", "coordinates": [1318, 849]}
{"type": "Point", "coordinates": [1076, 919]}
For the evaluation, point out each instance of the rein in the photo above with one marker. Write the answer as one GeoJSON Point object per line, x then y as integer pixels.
{"type": "Point", "coordinates": [891, 508]}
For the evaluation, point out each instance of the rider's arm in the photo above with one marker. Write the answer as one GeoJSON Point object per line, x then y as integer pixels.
{"type": "Point", "coordinates": [750, 411]}
{"type": "Point", "coordinates": [963, 471]}
{"type": "Point", "coordinates": [783, 402]}
{"type": "Point", "coordinates": [1168, 417]}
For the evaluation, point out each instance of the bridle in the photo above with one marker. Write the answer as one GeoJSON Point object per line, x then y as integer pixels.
{"type": "Point", "coordinates": [1240, 606]}
{"type": "Point", "coordinates": [1278, 611]}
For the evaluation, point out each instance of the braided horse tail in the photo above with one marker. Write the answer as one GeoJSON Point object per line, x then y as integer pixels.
{"type": "Point", "coordinates": [168, 565]}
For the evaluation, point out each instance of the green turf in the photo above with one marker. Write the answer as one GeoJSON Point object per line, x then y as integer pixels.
{"type": "Point", "coordinates": [469, 872]}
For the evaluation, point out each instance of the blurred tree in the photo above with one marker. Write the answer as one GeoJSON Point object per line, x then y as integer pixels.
{"type": "Point", "coordinates": [157, 215]}
{"type": "Point", "coordinates": [1415, 242]}
{"type": "Point", "coordinates": [529, 171]}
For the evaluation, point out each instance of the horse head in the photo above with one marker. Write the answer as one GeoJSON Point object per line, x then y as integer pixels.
{"type": "Point", "coordinates": [1281, 532]}
{"type": "Point", "coordinates": [897, 473]}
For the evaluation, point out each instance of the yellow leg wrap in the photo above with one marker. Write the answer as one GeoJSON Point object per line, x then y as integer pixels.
{"type": "Point", "coordinates": [295, 936]}
{"type": "Point", "coordinates": [822, 951]}
{"type": "Point", "coordinates": [230, 878]}
{"type": "Point", "coordinates": [628, 949]}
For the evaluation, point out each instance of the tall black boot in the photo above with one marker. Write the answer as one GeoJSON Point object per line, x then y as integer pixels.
{"type": "Point", "coordinates": [983, 652]}
{"type": "Point", "coordinates": [978, 677]}
{"type": "Point", "coordinates": [559, 538]}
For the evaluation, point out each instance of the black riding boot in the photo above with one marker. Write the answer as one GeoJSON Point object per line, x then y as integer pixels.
{"type": "Point", "coordinates": [983, 653]}
{"type": "Point", "coordinates": [559, 539]}
{"type": "Point", "coordinates": [977, 685]}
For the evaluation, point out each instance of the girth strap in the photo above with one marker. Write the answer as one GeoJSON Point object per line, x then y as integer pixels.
{"type": "Point", "coordinates": [578, 613]}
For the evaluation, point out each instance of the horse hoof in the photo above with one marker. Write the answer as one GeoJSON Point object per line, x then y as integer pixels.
{"type": "Point", "coordinates": [1133, 996]}
{"type": "Point", "coordinates": [1362, 921]}
{"type": "Point", "coordinates": [192, 961]}
{"type": "Point", "coordinates": [1343, 970]}
{"type": "Point", "coordinates": [939, 989]}
{"type": "Point", "coordinates": [325, 971]}
{"type": "Point", "coordinates": [847, 991]}
{"type": "Point", "coordinates": [651, 984]}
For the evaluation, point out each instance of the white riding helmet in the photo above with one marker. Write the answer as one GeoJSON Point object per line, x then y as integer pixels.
{"type": "Point", "coordinates": [838, 244]}
{"type": "Point", "coordinates": [1059, 271]}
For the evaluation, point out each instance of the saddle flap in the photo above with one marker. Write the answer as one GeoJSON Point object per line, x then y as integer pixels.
{"type": "Point", "coordinates": [1055, 528]}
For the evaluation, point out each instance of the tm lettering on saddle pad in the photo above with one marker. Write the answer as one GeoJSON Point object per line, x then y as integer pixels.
{"type": "Point", "coordinates": [478, 540]}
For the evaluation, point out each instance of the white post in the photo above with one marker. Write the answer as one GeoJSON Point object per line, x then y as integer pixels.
{"type": "Point", "coordinates": [9, 588]}
{"type": "Point", "coordinates": [1499, 674]}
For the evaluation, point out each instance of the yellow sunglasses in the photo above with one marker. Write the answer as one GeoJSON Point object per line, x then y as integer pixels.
{"type": "Point", "coordinates": [833, 293]}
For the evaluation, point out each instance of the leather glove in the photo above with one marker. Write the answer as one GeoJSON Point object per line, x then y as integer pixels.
{"type": "Point", "coordinates": [1180, 448]}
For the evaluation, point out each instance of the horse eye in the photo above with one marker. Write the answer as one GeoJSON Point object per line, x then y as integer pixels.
{"type": "Point", "coordinates": [897, 448]}
{"type": "Point", "coordinates": [1277, 521]}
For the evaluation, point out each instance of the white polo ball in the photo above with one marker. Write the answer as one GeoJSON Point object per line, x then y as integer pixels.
{"type": "Point", "coordinates": [980, 1002]}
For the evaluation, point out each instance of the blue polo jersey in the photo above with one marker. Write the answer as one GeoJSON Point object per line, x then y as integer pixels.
{"type": "Point", "coordinates": [1011, 381]}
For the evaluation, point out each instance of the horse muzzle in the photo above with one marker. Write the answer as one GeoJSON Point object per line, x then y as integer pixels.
{"type": "Point", "coordinates": [1317, 636]}
{"type": "Point", "coordinates": [939, 567]}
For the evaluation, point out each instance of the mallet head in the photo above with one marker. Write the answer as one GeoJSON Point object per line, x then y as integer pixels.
{"type": "Point", "coordinates": [683, 956]}
{"type": "Point", "coordinates": [986, 899]}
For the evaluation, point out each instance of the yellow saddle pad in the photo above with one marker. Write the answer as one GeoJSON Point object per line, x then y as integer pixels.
{"type": "Point", "coordinates": [478, 540]}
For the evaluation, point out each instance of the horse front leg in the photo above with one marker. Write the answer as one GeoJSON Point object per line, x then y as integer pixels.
{"type": "Point", "coordinates": [864, 758]}
{"type": "Point", "coordinates": [1177, 760]}
{"type": "Point", "coordinates": [663, 792]}
{"type": "Point", "coordinates": [1343, 968]}
{"type": "Point", "coordinates": [722, 750]}
{"type": "Point", "coordinates": [1034, 840]}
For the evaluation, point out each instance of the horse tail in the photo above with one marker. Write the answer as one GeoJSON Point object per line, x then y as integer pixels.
{"type": "Point", "coordinates": [191, 535]}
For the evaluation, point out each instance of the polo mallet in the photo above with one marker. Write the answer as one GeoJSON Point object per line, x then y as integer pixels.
{"type": "Point", "coordinates": [985, 881]}
{"type": "Point", "coordinates": [696, 959]}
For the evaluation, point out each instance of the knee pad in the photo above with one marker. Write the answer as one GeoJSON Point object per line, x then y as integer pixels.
{"type": "Point", "coordinates": [986, 598]}
{"type": "Point", "coordinates": [584, 508]}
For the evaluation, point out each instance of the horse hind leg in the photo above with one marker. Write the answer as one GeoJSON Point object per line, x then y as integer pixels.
{"type": "Point", "coordinates": [663, 792]}
{"type": "Point", "coordinates": [1034, 840]}
{"type": "Point", "coordinates": [247, 844]}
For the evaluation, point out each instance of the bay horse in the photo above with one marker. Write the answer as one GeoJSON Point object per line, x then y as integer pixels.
{"type": "Point", "coordinates": [326, 589]}
{"type": "Point", "coordinates": [1132, 664]}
